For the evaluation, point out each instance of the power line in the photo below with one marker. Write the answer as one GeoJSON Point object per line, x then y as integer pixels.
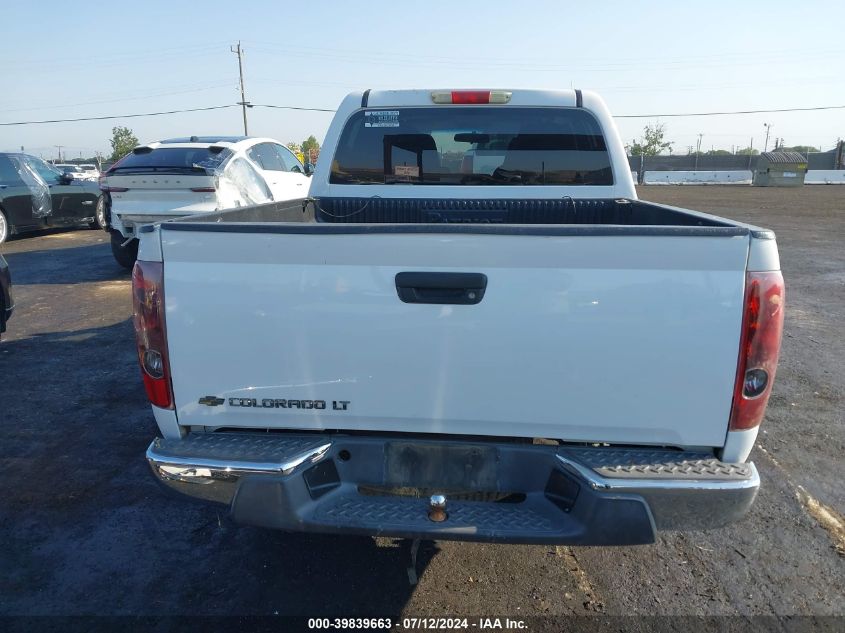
{"type": "Point", "coordinates": [121, 116]}
{"type": "Point", "coordinates": [536, 65]}
{"type": "Point", "coordinates": [116, 55]}
{"type": "Point", "coordinates": [305, 109]}
{"type": "Point", "coordinates": [136, 96]}
{"type": "Point", "coordinates": [279, 107]}
{"type": "Point", "coordinates": [114, 59]}
{"type": "Point", "coordinates": [651, 116]}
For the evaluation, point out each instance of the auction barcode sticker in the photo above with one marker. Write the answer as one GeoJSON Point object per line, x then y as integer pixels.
{"type": "Point", "coordinates": [381, 118]}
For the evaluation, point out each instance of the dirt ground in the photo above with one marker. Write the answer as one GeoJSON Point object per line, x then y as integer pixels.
{"type": "Point", "coordinates": [85, 530]}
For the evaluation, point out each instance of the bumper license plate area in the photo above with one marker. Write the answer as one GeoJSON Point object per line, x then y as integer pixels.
{"type": "Point", "coordinates": [447, 467]}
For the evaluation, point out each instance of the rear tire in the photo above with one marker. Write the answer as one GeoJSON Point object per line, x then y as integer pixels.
{"type": "Point", "coordinates": [100, 221]}
{"type": "Point", "coordinates": [124, 255]}
{"type": "Point", "coordinates": [4, 227]}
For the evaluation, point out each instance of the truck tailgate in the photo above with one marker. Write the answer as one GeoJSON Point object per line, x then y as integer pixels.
{"type": "Point", "coordinates": [613, 338]}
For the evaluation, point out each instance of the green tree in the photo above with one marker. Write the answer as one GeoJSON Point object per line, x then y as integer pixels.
{"type": "Point", "coordinates": [717, 152]}
{"type": "Point", "coordinates": [747, 151]}
{"type": "Point", "coordinates": [123, 141]}
{"type": "Point", "coordinates": [653, 141]}
{"type": "Point", "coordinates": [803, 149]}
{"type": "Point", "coordinates": [310, 148]}
{"type": "Point", "coordinates": [296, 148]}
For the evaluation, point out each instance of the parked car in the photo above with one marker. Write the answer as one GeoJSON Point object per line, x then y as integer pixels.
{"type": "Point", "coordinates": [513, 351]}
{"type": "Point", "coordinates": [76, 171]}
{"type": "Point", "coordinates": [36, 195]}
{"type": "Point", "coordinates": [90, 169]}
{"type": "Point", "coordinates": [184, 176]}
{"type": "Point", "coordinates": [7, 304]}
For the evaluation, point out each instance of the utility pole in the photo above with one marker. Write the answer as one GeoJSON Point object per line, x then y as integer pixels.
{"type": "Point", "coordinates": [237, 50]}
{"type": "Point", "coordinates": [60, 151]}
{"type": "Point", "coordinates": [768, 127]}
{"type": "Point", "coordinates": [697, 151]}
{"type": "Point", "coordinates": [641, 175]}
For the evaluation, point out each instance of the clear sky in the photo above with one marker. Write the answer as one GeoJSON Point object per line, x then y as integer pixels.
{"type": "Point", "coordinates": [60, 60]}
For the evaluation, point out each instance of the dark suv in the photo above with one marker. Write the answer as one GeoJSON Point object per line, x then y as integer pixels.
{"type": "Point", "coordinates": [35, 195]}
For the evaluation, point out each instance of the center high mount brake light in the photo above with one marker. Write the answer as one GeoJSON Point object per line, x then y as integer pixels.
{"type": "Point", "coordinates": [471, 97]}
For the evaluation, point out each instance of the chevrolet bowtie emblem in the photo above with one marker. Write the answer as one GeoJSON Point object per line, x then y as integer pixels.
{"type": "Point", "coordinates": [211, 401]}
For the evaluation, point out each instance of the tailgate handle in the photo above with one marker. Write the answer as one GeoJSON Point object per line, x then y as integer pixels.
{"type": "Point", "coordinates": [452, 288]}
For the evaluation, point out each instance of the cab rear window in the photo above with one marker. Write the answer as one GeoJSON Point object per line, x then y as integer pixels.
{"type": "Point", "coordinates": [464, 145]}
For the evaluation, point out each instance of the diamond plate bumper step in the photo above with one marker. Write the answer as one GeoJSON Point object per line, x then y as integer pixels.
{"type": "Point", "coordinates": [657, 464]}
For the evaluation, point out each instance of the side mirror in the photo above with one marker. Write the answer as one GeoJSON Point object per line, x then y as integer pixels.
{"type": "Point", "coordinates": [66, 178]}
{"type": "Point", "coordinates": [309, 169]}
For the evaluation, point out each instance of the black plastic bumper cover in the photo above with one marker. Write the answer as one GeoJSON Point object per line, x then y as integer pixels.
{"type": "Point", "coordinates": [535, 493]}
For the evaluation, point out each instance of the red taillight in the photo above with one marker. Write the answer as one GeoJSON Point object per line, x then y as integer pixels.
{"type": "Point", "coordinates": [104, 183]}
{"type": "Point", "coordinates": [759, 346]}
{"type": "Point", "coordinates": [150, 331]}
{"type": "Point", "coordinates": [105, 187]}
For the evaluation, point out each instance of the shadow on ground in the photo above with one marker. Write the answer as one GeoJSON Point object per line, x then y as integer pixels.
{"type": "Point", "coordinates": [82, 512]}
{"type": "Point", "coordinates": [91, 263]}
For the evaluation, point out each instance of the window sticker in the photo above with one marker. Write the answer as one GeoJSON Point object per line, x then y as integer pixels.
{"type": "Point", "coordinates": [411, 171]}
{"type": "Point", "coordinates": [381, 118]}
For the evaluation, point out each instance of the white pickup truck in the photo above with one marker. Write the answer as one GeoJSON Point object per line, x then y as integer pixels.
{"type": "Point", "coordinates": [472, 329]}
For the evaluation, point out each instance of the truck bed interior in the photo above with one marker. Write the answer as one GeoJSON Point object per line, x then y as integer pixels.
{"type": "Point", "coordinates": [498, 211]}
{"type": "Point", "coordinates": [443, 215]}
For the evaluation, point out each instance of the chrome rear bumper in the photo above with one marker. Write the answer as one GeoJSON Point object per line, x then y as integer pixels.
{"type": "Point", "coordinates": [684, 491]}
{"type": "Point", "coordinates": [209, 466]}
{"type": "Point", "coordinates": [324, 483]}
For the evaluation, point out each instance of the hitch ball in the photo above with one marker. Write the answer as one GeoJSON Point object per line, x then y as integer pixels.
{"type": "Point", "coordinates": [437, 508]}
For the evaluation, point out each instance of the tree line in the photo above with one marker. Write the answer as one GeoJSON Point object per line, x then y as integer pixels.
{"type": "Point", "coordinates": [653, 143]}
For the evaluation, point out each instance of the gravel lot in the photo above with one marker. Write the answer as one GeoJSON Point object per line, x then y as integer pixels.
{"type": "Point", "coordinates": [85, 530]}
